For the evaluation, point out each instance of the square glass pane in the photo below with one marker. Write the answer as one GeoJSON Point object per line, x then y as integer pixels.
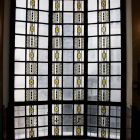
{"type": "Point", "coordinates": [115, 41]}
{"type": "Point", "coordinates": [115, 96]}
{"type": "Point", "coordinates": [42, 81]}
{"type": "Point", "coordinates": [115, 15]}
{"type": "Point", "coordinates": [21, 3]}
{"type": "Point", "coordinates": [92, 68]}
{"type": "Point", "coordinates": [43, 5]}
{"type": "Point", "coordinates": [92, 56]}
{"type": "Point", "coordinates": [43, 29]}
{"type": "Point", "coordinates": [115, 28]}
{"type": "Point", "coordinates": [92, 17]}
{"type": "Point", "coordinates": [68, 17]}
{"type": "Point", "coordinates": [67, 94]}
{"type": "Point", "coordinates": [116, 68]}
{"type": "Point", "coordinates": [20, 14]}
{"type": "Point", "coordinates": [19, 68]}
{"type": "Point", "coordinates": [43, 55]}
{"type": "Point", "coordinates": [42, 68]}
{"type": "Point", "coordinates": [68, 109]}
{"type": "Point", "coordinates": [116, 55]}
{"type": "Point", "coordinates": [67, 56]}
{"type": "Point", "coordinates": [68, 81]}
{"type": "Point", "coordinates": [67, 119]}
{"type": "Point", "coordinates": [43, 42]}
{"type": "Point", "coordinates": [19, 95]}
{"type": "Point", "coordinates": [68, 30]}
{"type": "Point", "coordinates": [115, 81]}
{"type": "Point", "coordinates": [68, 5]}
{"type": "Point", "coordinates": [20, 28]}
{"type": "Point", "coordinates": [92, 42]}
{"type": "Point", "coordinates": [92, 5]}
{"type": "Point", "coordinates": [114, 3]}
{"type": "Point", "coordinates": [67, 68]}
{"type": "Point", "coordinates": [92, 30]}
{"type": "Point", "coordinates": [67, 43]}
{"type": "Point", "coordinates": [19, 81]}
{"type": "Point", "coordinates": [43, 17]}
{"type": "Point", "coordinates": [92, 81]}
{"type": "Point", "coordinates": [43, 95]}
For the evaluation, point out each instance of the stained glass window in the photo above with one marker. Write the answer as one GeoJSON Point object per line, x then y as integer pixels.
{"type": "Point", "coordinates": [68, 69]}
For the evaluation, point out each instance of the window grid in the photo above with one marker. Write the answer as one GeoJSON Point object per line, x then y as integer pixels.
{"type": "Point", "coordinates": [35, 130]}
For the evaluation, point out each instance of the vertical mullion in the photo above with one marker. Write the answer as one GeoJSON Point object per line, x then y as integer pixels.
{"type": "Point", "coordinates": [98, 68]}
{"type": "Point", "coordinates": [73, 57]}
{"type": "Point", "coordinates": [25, 63]}
{"type": "Point", "coordinates": [62, 61]}
{"type": "Point", "coordinates": [85, 65]}
{"type": "Point", "coordinates": [50, 70]}
{"type": "Point", "coordinates": [109, 68]}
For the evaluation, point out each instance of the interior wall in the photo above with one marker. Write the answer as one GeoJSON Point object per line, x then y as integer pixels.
{"type": "Point", "coordinates": [136, 50]}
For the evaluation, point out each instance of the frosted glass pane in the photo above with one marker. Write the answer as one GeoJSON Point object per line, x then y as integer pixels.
{"type": "Point", "coordinates": [115, 41]}
{"type": "Point", "coordinates": [92, 30]}
{"type": "Point", "coordinates": [34, 78]}
{"type": "Point", "coordinates": [114, 3]}
{"type": "Point", "coordinates": [43, 17]}
{"type": "Point", "coordinates": [43, 29]}
{"type": "Point", "coordinates": [67, 68]}
{"type": "Point", "coordinates": [68, 5]}
{"type": "Point", "coordinates": [67, 109]}
{"type": "Point", "coordinates": [42, 68]}
{"type": "Point", "coordinates": [19, 122]}
{"type": "Point", "coordinates": [20, 28]}
{"type": "Point", "coordinates": [68, 43]}
{"type": "Point", "coordinates": [44, 4]}
{"type": "Point", "coordinates": [43, 131]}
{"type": "Point", "coordinates": [116, 68]}
{"type": "Point", "coordinates": [19, 133]}
{"type": "Point", "coordinates": [42, 55]}
{"type": "Point", "coordinates": [42, 120]}
{"type": "Point", "coordinates": [19, 81]}
{"type": "Point", "coordinates": [19, 41]}
{"type": "Point", "coordinates": [19, 111]}
{"type": "Point", "coordinates": [92, 56]}
{"type": "Point", "coordinates": [92, 68]}
{"type": "Point", "coordinates": [67, 130]}
{"type": "Point", "coordinates": [115, 81]}
{"type": "Point", "coordinates": [67, 94]}
{"type": "Point", "coordinates": [115, 28]}
{"type": "Point", "coordinates": [114, 15]}
{"type": "Point", "coordinates": [42, 109]}
{"type": "Point", "coordinates": [19, 68]}
{"type": "Point", "coordinates": [68, 30]}
{"type": "Point", "coordinates": [67, 55]}
{"type": "Point", "coordinates": [67, 120]}
{"type": "Point", "coordinates": [92, 5]}
{"type": "Point", "coordinates": [21, 3]}
{"type": "Point", "coordinates": [68, 81]}
{"type": "Point", "coordinates": [92, 95]}
{"type": "Point", "coordinates": [43, 42]}
{"type": "Point", "coordinates": [20, 14]}
{"type": "Point", "coordinates": [68, 18]}
{"type": "Point", "coordinates": [92, 42]}
{"type": "Point", "coordinates": [42, 95]}
{"type": "Point", "coordinates": [19, 95]}
{"type": "Point", "coordinates": [42, 81]}
{"type": "Point", "coordinates": [115, 55]}
{"type": "Point", "coordinates": [92, 82]}
{"type": "Point", "coordinates": [115, 95]}
{"type": "Point", "coordinates": [92, 17]}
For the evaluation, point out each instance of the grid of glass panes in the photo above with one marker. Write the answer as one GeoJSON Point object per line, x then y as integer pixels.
{"type": "Point", "coordinates": [104, 68]}
{"type": "Point", "coordinates": [68, 67]}
{"type": "Point", "coordinates": [31, 69]}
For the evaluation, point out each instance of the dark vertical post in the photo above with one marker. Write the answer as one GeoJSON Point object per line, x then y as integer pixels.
{"type": "Point", "coordinates": [1, 66]}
